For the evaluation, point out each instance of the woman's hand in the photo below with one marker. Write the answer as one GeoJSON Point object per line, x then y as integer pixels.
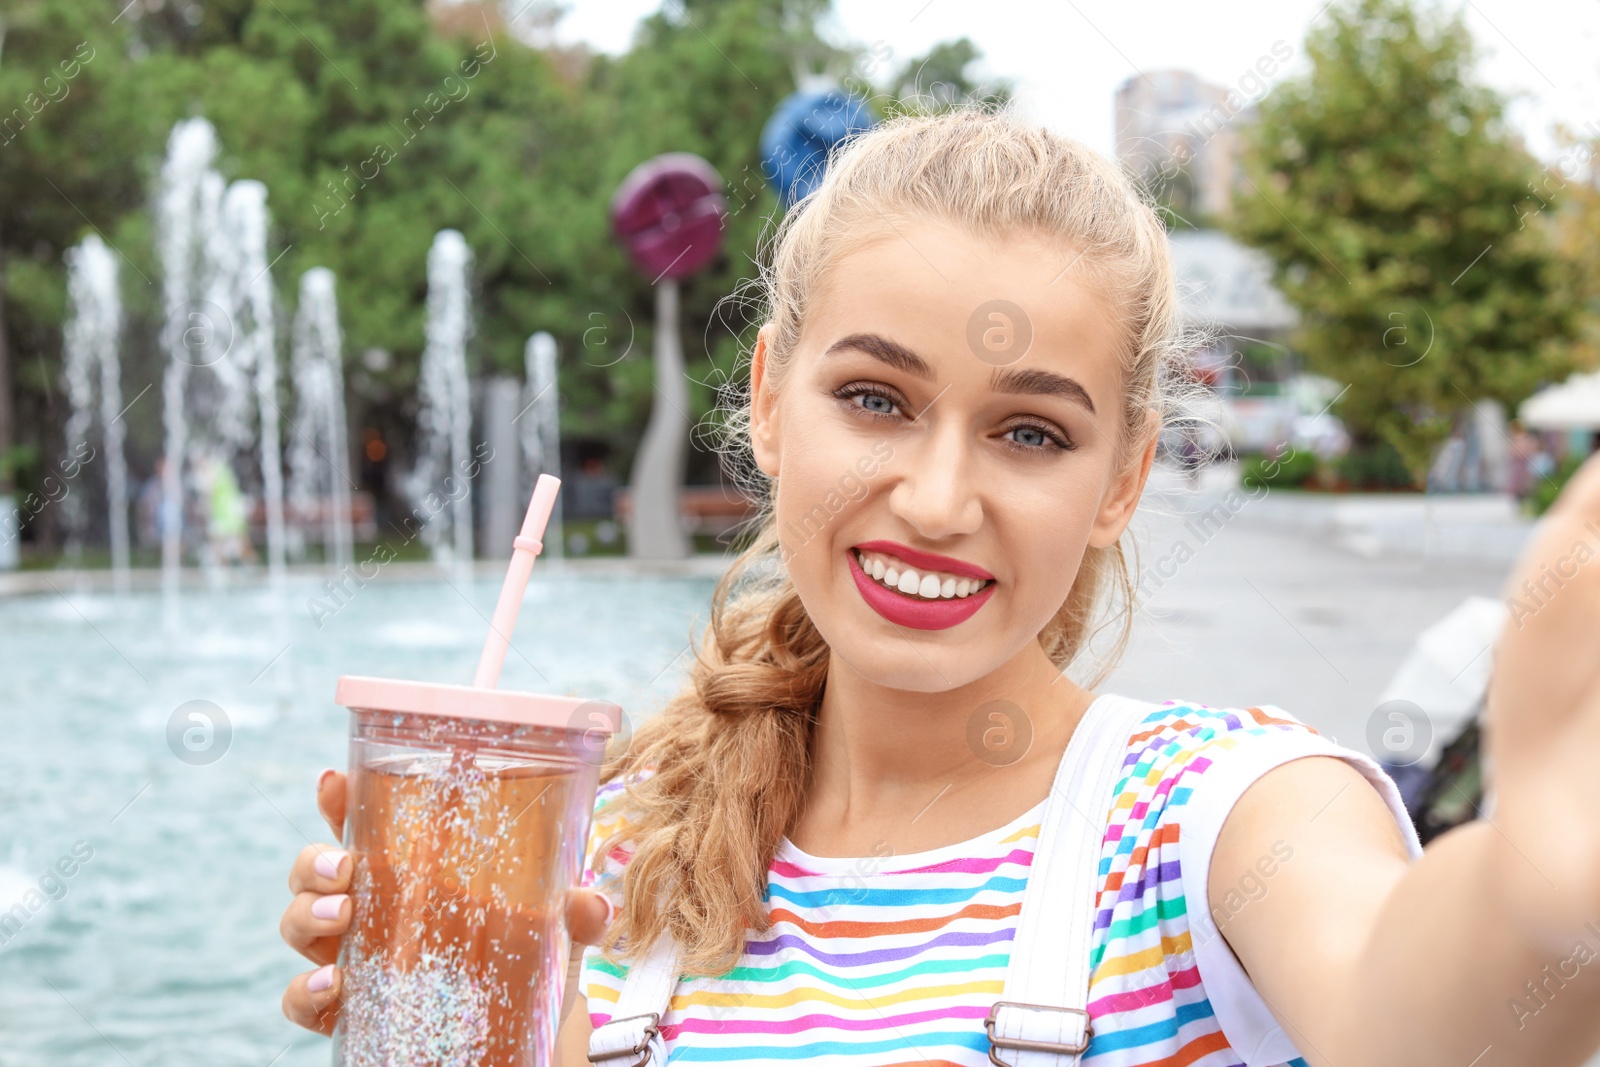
{"type": "Point", "coordinates": [316, 919]}
{"type": "Point", "coordinates": [1544, 721]}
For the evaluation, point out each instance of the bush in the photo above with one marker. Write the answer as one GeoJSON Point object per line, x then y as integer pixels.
{"type": "Point", "coordinates": [1376, 467]}
{"type": "Point", "coordinates": [1545, 490]}
{"type": "Point", "coordinates": [1289, 469]}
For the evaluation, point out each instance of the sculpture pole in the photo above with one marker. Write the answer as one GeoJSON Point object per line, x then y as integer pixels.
{"type": "Point", "coordinates": [654, 528]}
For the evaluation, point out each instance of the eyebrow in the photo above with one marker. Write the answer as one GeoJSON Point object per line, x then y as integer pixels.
{"type": "Point", "coordinates": [1031, 382]}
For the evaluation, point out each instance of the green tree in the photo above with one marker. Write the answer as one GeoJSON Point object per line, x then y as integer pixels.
{"type": "Point", "coordinates": [375, 123]}
{"type": "Point", "coordinates": [940, 79]}
{"type": "Point", "coordinates": [1399, 214]}
{"type": "Point", "coordinates": [1573, 184]}
{"type": "Point", "coordinates": [70, 132]}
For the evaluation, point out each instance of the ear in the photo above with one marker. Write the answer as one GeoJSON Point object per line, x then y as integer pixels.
{"type": "Point", "coordinates": [763, 408]}
{"type": "Point", "coordinates": [1122, 497]}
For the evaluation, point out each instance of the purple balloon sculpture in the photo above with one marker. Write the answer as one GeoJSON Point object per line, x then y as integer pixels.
{"type": "Point", "coordinates": [668, 212]}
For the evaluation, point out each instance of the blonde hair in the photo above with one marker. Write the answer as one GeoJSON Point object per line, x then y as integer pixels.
{"type": "Point", "coordinates": [729, 759]}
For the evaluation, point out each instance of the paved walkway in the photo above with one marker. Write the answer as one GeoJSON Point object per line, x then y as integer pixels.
{"type": "Point", "coordinates": [1302, 601]}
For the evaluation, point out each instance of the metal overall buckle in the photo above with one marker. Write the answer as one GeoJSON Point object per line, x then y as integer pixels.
{"type": "Point", "coordinates": [1060, 1048]}
{"type": "Point", "coordinates": [642, 1047]}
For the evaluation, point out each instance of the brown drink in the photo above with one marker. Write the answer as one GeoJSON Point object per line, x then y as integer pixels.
{"type": "Point", "coordinates": [463, 850]}
{"type": "Point", "coordinates": [467, 818]}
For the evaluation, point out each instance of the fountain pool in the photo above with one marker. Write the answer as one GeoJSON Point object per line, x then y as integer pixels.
{"type": "Point", "coordinates": [161, 946]}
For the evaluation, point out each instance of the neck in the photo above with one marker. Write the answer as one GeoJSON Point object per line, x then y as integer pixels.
{"type": "Point", "coordinates": [884, 756]}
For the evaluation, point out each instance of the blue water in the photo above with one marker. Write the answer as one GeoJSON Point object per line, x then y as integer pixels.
{"type": "Point", "coordinates": [162, 946]}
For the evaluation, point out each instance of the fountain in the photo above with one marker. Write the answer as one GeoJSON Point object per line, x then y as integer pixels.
{"type": "Point", "coordinates": [319, 453]}
{"type": "Point", "coordinates": [217, 291]}
{"type": "Point", "coordinates": [244, 218]}
{"type": "Point", "coordinates": [444, 423]}
{"type": "Point", "coordinates": [541, 434]}
{"type": "Point", "coordinates": [91, 343]}
{"type": "Point", "coordinates": [186, 211]}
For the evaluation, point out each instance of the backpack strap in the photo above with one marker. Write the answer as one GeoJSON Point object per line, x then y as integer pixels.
{"type": "Point", "coordinates": [632, 1036]}
{"type": "Point", "coordinates": [1043, 1020]}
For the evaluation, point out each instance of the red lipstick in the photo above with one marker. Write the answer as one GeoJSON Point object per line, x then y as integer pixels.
{"type": "Point", "coordinates": [916, 612]}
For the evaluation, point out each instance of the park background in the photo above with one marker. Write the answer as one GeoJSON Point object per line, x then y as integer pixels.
{"type": "Point", "coordinates": [1388, 212]}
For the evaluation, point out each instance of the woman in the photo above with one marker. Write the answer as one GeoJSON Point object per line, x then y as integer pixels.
{"type": "Point", "coordinates": [955, 402]}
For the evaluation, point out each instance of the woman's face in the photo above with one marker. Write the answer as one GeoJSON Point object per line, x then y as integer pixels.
{"type": "Point", "coordinates": [956, 400]}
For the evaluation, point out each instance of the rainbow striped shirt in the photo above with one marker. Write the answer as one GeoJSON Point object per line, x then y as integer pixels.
{"type": "Point", "coordinates": [896, 959]}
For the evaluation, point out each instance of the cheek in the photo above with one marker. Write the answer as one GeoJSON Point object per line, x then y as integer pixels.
{"type": "Point", "coordinates": [1050, 522]}
{"type": "Point", "coordinates": [818, 486]}
{"type": "Point", "coordinates": [1049, 565]}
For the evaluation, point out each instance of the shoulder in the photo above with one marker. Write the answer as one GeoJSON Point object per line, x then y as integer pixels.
{"type": "Point", "coordinates": [1201, 759]}
{"type": "Point", "coordinates": [1175, 732]}
{"type": "Point", "coordinates": [1178, 747]}
{"type": "Point", "coordinates": [611, 828]}
{"type": "Point", "coordinates": [1187, 767]}
{"type": "Point", "coordinates": [1190, 763]}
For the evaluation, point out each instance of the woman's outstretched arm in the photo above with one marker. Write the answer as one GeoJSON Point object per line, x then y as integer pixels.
{"type": "Point", "coordinates": [1368, 959]}
{"type": "Point", "coordinates": [1486, 950]}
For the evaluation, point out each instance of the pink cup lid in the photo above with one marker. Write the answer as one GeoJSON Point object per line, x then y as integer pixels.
{"type": "Point", "coordinates": [472, 702]}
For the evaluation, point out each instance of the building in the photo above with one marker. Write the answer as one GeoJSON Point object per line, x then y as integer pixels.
{"type": "Point", "coordinates": [1225, 289]}
{"type": "Point", "coordinates": [1181, 135]}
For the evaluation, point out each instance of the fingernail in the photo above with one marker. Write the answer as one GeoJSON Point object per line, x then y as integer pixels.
{"type": "Point", "coordinates": [320, 979]}
{"type": "Point", "coordinates": [322, 779]}
{"type": "Point", "coordinates": [327, 863]}
{"type": "Point", "coordinates": [328, 907]}
{"type": "Point", "coordinates": [611, 909]}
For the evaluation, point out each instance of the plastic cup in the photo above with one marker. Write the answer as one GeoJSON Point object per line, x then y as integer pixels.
{"type": "Point", "coordinates": [466, 819]}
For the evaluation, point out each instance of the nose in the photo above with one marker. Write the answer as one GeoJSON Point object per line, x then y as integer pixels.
{"type": "Point", "coordinates": [935, 490]}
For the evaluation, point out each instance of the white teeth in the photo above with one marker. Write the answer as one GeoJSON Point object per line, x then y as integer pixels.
{"type": "Point", "coordinates": [929, 586]}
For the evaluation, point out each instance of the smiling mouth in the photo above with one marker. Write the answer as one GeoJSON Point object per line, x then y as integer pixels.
{"type": "Point", "coordinates": [897, 576]}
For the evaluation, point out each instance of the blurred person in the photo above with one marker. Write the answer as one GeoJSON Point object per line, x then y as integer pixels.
{"type": "Point", "coordinates": [1519, 468]}
{"type": "Point", "coordinates": [227, 518]}
{"type": "Point", "coordinates": [593, 491]}
{"type": "Point", "coordinates": [147, 507]}
{"type": "Point", "coordinates": [1446, 474]}
{"type": "Point", "coordinates": [1545, 459]}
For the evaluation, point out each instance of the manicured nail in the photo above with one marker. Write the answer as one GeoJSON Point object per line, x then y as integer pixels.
{"type": "Point", "coordinates": [327, 863]}
{"type": "Point", "coordinates": [322, 779]}
{"type": "Point", "coordinates": [320, 979]}
{"type": "Point", "coordinates": [328, 907]}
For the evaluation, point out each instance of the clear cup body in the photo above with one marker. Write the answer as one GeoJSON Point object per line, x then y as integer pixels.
{"type": "Point", "coordinates": [465, 835]}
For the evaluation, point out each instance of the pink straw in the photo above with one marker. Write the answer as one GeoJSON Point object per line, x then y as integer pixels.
{"type": "Point", "coordinates": [525, 547]}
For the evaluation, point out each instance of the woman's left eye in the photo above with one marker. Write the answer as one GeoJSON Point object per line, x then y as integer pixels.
{"type": "Point", "coordinates": [1038, 438]}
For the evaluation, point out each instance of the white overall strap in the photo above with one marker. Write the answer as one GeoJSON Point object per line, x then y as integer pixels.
{"type": "Point", "coordinates": [632, 1036]}
{"type": "Point", "coordinates": [1042, 1020]}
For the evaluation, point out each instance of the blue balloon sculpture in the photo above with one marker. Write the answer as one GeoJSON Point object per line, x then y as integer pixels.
{"type": "Point", "coordinates": [796, 140]}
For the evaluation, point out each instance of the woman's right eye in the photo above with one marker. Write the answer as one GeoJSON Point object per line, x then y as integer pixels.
{"type": "Point", "coordinates": [885, 402]}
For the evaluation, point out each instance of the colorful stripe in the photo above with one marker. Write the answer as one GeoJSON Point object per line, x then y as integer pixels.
{"type": "Point", "coordinates": [882, 967]}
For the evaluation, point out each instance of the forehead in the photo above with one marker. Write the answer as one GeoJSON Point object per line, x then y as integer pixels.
{"type": "Point", "coordinates": [973, 305]}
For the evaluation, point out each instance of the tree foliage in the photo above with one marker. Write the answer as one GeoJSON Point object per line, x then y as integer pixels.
{"type": "Point", "coordinates": [373, 124]}
{"type": "Point", "coordinates": [1396, 207]}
